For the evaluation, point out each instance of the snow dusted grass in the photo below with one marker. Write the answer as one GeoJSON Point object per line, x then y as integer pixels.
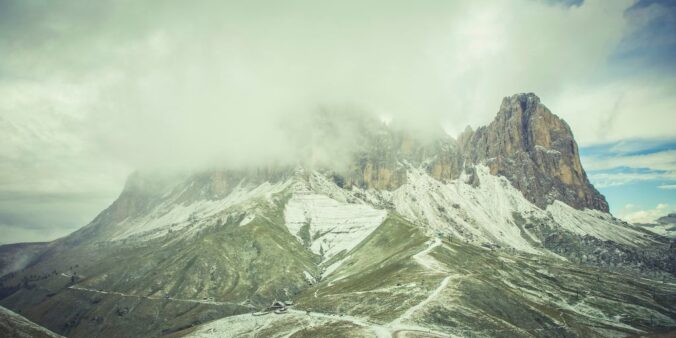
{"type": "Point", "coordinates": [366, 263]}
{"type": "Point", "coordinates": [423, 258]}
{"type": "Point", "coordinates": [439, 288]}
{"type": "Point", "coordinates": [378, 279]}
{"type": "Point", "coordinates": [595, 223]}
{"type": "Point", "coordinates": [496, 212]}
{"type": "Point", "coordinates": [517, 295]}
{"type": "Point", "coordinates": [480, 214]}
{"type": "Point", "coordinates": [15, 325]}
{"type": "Point", "coordinates": [332, 226]}
{"type": "Point", "coordinates": [174, 215]}
{"type": "Point", "coordinates": [293, 323]}
{"type": "Point", "coordinates": [400, 282]}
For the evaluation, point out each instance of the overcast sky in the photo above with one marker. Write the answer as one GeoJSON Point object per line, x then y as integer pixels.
{"type": "Point", "coordinates": [92, 90]}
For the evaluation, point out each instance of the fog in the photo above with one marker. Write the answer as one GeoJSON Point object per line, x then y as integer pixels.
{"type": "Point", "coordinates": [91, 91]}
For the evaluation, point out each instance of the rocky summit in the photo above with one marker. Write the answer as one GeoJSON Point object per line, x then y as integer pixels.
{"type": "Point", "coordinates": [497, 233]}
{"type": "Point", "coordinates": [527, 144]}
{"type": "Point", "coordinates": [535, 150]}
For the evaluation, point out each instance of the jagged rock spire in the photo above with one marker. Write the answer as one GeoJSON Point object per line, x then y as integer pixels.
{"type": "Point", "coordinates": [536, 151]}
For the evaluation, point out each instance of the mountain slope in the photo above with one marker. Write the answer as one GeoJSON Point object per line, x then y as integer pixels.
{"type": "Point", "coordinates": [497, 233]}
{"type": "Point", "coordinates": [536, 151]}
{"type": "Point", "coordinates": [14, 325]}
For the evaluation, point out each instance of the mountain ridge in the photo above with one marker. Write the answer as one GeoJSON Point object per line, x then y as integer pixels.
{"type": "Point", "coordinates": [529, 148]}
{"type": "Point", "coordinates": [409, 236]}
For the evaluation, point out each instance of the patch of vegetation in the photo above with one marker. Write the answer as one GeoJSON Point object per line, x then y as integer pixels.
{"type": "Point", "coordinates": [304, 234]}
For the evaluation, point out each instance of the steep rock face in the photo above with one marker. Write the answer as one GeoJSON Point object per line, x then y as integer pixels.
{"type": "Point", "coordinates": [378, 163]}
{"type": "Point", "coordinates": [447, 163]}
{"type": "Point", "coordinates": [526, 143]}
{"type": "Point", "coordinates": [535, 150]}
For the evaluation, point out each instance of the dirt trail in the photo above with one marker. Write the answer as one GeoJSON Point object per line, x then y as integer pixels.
{"type": "Point", "coordinates": [121, 294]}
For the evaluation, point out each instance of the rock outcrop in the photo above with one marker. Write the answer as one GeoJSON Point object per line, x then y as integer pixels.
{"type": "Point", "coordinates": [535, 150]}
{"type": "Point", "coordinates": [526, 143]}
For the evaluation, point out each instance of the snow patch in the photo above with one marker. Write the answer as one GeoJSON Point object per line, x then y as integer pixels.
{"type": "Point", "coordinates": [172, 215]}
{"type": "Point", "coordinates": [593, 222]}
{"type": "Point", "coordinates": [423, 257]}
{"type": "Point", "coordinates": [309, 278]}
{"type": "Point", "coordinates": [331, 268]}
{"type": "Point", "coordinates": [478, 214]}
{"type": "Point", "coordinates": [247, 219]}
{"type": "Point", "coordinates": [330, 226]}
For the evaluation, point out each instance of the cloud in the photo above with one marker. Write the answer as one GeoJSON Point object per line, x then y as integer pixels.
{"type": "Point", "coordinates": [651, 42]}
{"type": "Point", "coordinates": [618, 109]}
{"type": "Point", "coordinates": [40, 216]}
{"type": "Point", "coordinates": [194, 83]}
{"type": "Point", "coordinates": [667, 186]}
{"type": "Point", "coordinates": [605, 180]}
{"type": "Point", "coordinates": [630, 161]}
{"type": "Point", "coordinates": [91, 91]}
{"type": "Point", "coordinates": [649, 216]}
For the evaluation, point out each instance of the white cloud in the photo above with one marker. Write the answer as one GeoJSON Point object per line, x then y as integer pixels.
{"type": "Point", "coordinates": [648, 167]}
{"type": "Point", "coordinates": [605, 180]}
{"type": "Point", "coordinates": [617, 109]}
{"type": "Point", "coordinates": [93, 92]}
{"type": "Point", "coordinates": [663, 160]}
{"type": "Point", "coordinates": [170, 90]}
{"type": "Point", "coordinates": [667, 186]}
{"type": "Point", "coordinates": [629, 214]}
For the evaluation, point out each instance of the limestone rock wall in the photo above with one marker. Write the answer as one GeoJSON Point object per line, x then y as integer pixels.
{"type": "Point", "coordinates": [536, 151]}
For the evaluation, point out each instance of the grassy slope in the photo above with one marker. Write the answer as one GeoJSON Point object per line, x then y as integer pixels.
{"type": "Point", "coordinates": [497, 293]}
{"type": "Point", "coordinates": [494, 293]}
{"type": "Point", "coordinates": [248, 265]}
{"type": "Point", "coordinates": [378, 263]}
{"type": "Point", "coordinates": [489, 293]}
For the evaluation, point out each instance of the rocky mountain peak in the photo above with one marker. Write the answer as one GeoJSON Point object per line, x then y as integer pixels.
{"type": "Point", "coordinates": [536, 151]}
{"type": "Point", "coordinates": [526, 143]}
{"type": "Point", "coordinates": [518, 103]}
{"type": "Point", "coordinates": [527, 124]}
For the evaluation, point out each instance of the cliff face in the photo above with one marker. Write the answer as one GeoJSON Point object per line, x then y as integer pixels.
{"type": "Point", "coordinates": [536, 151]}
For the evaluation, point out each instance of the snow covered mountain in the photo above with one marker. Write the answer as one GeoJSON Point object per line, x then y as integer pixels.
{"type": "Point", "coordinates": [497, 233]}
